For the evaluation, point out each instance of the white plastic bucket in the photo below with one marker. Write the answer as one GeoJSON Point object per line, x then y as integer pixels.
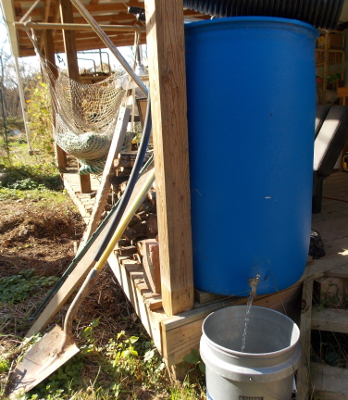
{"type": "Point", "coordinates": [265, 370]}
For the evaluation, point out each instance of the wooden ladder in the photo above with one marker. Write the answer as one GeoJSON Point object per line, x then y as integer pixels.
{"type": "Point", "coordinates": [316, 381]}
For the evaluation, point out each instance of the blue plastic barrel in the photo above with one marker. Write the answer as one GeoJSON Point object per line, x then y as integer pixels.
{"type": "Point", "coordinates": [251, 112]}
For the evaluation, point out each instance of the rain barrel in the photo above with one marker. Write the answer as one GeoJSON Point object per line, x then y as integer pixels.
{"type": "Point", "coordinates": [251, 110]}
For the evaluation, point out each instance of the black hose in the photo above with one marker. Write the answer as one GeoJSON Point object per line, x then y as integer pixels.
{"type": "Point", "coordinates": [131, 182]}
{"type": "Point", "coordinates": [116, 212]}
{"type": "Point", "coordinates": [324, 15]}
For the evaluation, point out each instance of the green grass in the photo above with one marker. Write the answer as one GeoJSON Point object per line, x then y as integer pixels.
{"type": "Point", "coordinates": [28, 176]}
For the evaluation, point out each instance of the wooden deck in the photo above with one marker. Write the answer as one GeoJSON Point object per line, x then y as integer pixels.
{"type": "Point", "coordinates": [176, 335]}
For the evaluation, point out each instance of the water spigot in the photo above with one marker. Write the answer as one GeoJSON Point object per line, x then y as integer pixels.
{"type": "Point", "coordinates": [253, 282]}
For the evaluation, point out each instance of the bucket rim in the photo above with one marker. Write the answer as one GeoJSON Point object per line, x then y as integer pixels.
{"type": "Point", "coordinates": [244, 354]}
{"type": "Point", "coordinates": [252, 19]}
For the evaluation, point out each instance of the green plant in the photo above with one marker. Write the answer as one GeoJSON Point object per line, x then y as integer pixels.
{"type": "Point", "coordinates": [32, 177]}
{"type": "Point", "coordinates": [128, 361]}
{"type": "Point", "coordinates": [4, 364]}
{"type": "Point", "coordinates": [17, 288]}
{"type": "Point", "coordinates": [61, 383]}
{"type": "Point", "coordinates": [195, 360]}
{"type": "Point", "coordinates": [39, 114]}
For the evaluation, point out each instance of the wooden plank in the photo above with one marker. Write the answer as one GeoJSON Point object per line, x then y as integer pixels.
{"type": "Point", "coordinates": [165, 46]}
{"type": "Point", "coordinates": [72, 193]}
{"type": "Point", "coordinates": [154, 303]}
{"type": "Point", "coordinates": [327, 263]}
{"type": "Point", "coordinates": [303, 377]}
{"type": "Point", "coordinates": [329, 383]}
{"type": "Point", "coordinates": [330, 319]}
{"type": "Point", "coordinates": [332, 229]}
{"type": "Point", "coordinates": [205, 297]}
{"type": "Point", "coordinates": [85, 183]}
{"type": "Point", "coordinates": [342, 92]}
{"type": "Point", "coordinates": [338, 272]}
{"type": "Point", "coordinates": [104, 187]}
{"type": "Point", "coordinates": [148, 313]}
{"type": "Point", "coordinates": [336, 246]}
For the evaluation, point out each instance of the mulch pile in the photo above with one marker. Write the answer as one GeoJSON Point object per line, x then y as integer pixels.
{"type": "Point", "coordinates": [42, 236]}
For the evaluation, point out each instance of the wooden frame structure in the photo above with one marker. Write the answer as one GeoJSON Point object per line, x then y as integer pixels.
{"type": "Point", "coordinates": [173, 319]}
{"type": "Point", "coordinates": [165, 40]}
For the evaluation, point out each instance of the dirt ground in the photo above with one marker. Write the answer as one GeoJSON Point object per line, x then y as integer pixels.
{"type": "Point", "coordinates": [41, 236]}
{"type": "Point", "coordinates": [34, 236]}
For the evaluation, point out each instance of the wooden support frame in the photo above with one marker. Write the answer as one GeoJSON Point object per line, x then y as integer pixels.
{"type": "Point", "coordinates": [76, 27]}
{"type": "Point", "coordinates": [176, 329]}
{"type": "Point", "coordinates": [165, 43]}
{"type": "Point", "coordinates": [66, 13]}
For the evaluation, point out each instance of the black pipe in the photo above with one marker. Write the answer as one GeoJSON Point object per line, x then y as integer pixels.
{"type": "Point", "coordinates": [131, 182]}
{"type": "Point", "coordinates": [324, 14]}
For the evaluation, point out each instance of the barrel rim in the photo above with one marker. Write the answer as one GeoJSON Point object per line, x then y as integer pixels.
{"type": "Point", "coordinates": [252, 19]}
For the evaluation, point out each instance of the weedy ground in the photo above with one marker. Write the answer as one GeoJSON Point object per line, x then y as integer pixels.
{"type": "Point", "coordinates": [38, 227]}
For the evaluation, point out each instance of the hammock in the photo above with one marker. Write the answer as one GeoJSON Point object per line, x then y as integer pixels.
{"type": "Point", "coordinates": [86, 117]}
{"type": "Point", "coordinates": [86, 114]}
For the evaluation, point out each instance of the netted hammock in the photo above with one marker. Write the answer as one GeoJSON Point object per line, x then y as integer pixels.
{"type": "Point", "coordinates": [86, 116]}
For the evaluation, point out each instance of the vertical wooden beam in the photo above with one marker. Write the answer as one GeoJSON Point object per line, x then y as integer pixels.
{"type": "Point", "coordinates": [45, 19]}
{"type": "Point", "coordinates": [66, 15]}
{"type": "Point", "coordinates": [303, 372]}
{"type": "Point", "coordinates": [49, 50]}
{"type": "Point", "coordinates": [47, 39]}
{"type": "Point", "coordinates": [165, 42]}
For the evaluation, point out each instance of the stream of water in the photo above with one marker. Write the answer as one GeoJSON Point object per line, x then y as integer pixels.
{"type": "Point", "coordinates": [253, 284]}
{"type": "Point", "coordinates": [249, 304]}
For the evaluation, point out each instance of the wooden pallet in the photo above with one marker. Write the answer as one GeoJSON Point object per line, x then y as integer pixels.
{"type": "Point", "coordinates": [320, 381]}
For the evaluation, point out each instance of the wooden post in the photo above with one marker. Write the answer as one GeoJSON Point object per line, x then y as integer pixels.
{"type": "Point", "coordinates": [165, 42]}
{"type": "Point", "coordinates": [66, 15]}
{"type": "Point", "coordinates": [303, 375]}
{"type": "Point", "coordinates": [49, 54]}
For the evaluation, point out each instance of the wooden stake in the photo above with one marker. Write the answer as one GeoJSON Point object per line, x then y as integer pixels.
{"type": "Point", "coordinates": [165, 42]}
{"type": "Point", "coordinates": [104, 187]}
